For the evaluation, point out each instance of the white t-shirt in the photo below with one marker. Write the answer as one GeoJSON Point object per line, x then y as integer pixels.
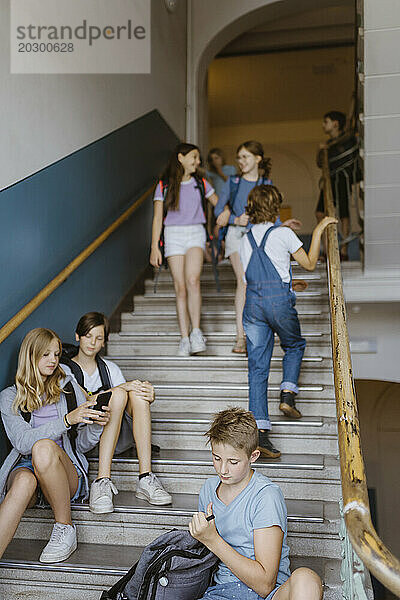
{"type": "Point", "coordinates": [280, 244]}
{"type": "Point", "coordinates": [93, 382]}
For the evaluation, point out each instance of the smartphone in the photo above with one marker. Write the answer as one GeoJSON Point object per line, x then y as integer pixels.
{"type": "Point", "coordinates": [102, 400]}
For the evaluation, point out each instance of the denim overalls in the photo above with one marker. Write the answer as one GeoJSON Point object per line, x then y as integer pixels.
{"type": "Point", "coordinates": [269, 309]}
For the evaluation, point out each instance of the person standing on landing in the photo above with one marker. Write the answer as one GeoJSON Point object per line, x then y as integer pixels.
{"type": "Point", "coordinates": [218, 172]}
{"type": "Point", "coordinates": [43, 463]}
{"type": "Point", "coordinates": [178, 203]}
{"type": "Point", "coordinates": [131, 420]}
{"type": "Point", "coordinates": [265, 255]}
{"type": "Point", "coordinates": [255, 169]}
{"type": "Point", "coordinates": [249, 530]}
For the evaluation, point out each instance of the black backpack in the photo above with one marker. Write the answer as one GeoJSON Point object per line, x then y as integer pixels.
{"type": "Point", "coordinates": [69, 351]}
{"type": "Point", "coordinates": [175, 566]}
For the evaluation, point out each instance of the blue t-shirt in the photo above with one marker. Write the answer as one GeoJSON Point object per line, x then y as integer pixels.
{"type": "Point", "coordinates": [260, 504]}
{"type": "Point", "coordinates": [240, 202]}
{"type": "Point", "coordinates": [217, 181]}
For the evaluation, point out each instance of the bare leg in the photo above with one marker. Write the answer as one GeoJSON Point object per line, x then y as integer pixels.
{"type": "Point", "coordinates": [21, 495]}
{"type": "Point", "coordinates": [303, 584]}
{"type": "Point", "coordinates": [110, 434]}
{"type": "Point", "coordinates": [57, 477]}
{"type": "Point", "coordinates": [240, 295]}
{"type": "Point", "coordinates": [193, 268]}
{"type": "Point", "coordinates": [176, 264]}
{"type": "Point", "coordinates": [139, 409]}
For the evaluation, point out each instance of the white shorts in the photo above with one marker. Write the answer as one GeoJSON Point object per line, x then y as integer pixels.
{"type": "Point", "coordinates": [233, 237]}
{"type": "Point", "coordinates": [179, 238]}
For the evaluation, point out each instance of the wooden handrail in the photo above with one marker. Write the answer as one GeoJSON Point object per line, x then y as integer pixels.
{"type": "Point", "coordinates": [44, 293]}
{"type": "Point", "coordinates": [366, 542]}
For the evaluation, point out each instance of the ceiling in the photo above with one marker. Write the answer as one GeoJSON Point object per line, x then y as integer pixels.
{"type": "Point", "coordinates": [318, 28]}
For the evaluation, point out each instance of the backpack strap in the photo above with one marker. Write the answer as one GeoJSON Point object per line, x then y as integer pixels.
{"type": "Point", "coordinates": [104, 373]}
{"type": "Point", "coordinates": [234, 184]}
{"type": "Point", "coordinates": [76, 370]}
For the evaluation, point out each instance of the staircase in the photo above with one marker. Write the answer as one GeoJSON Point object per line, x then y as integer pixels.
{"type": "Point", "coordinates": [188, 391]}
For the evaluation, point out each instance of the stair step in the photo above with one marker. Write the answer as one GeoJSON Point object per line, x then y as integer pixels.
{"type": "Point", "coordinates": [300, 476]}
{"type": "Point", "coordinates": [226, 284]}
{"type": "Point", "coordinates": [218, 344]}
{"type": "Point", "coordinates": [135, 522]}
{"type": "Point", "coordinates": [214, 301]}
{"type": "Point", "coordinates": [212, 320]}
{"type": "Point", "coordinates": [186, 431]}
{"type": "Point", "coordinates": [213, 369]}
{"type": "Point", "coordinates": [95, 567]}
{"type": "Point", "coordinates": [225, 273]}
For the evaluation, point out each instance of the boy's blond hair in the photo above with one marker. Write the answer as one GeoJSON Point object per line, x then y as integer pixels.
{"type": "Point", "coordinates": [236, 427]}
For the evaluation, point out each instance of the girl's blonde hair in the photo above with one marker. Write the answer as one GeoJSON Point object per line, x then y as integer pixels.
{"type": "Point", "coordinates": [263, 204]}
{"type": "Point", "coordinates": [32, 391]}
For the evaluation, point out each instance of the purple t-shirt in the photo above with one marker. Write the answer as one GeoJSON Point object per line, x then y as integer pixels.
{"type": "Point", "coordinates": [190, 210]}
{"type": "Point", "coordinates": [48, 412]}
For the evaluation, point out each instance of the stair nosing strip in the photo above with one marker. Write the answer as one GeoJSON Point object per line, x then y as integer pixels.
{"type": "Point", "coordinates": [37, 566]}
{"type": "Point", "coordinates": [205, 463]}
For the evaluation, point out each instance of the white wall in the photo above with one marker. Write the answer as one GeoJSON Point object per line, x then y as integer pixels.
{"type": "Point", "coordinates": [46, 117]}
{"type": "Point", "coordinates": [374, 331]}
{"type": "Point", "coordinates": [382, 133]}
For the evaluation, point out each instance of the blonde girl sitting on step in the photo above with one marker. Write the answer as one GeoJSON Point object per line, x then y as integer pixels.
{"type": "Point", "coordinates": [45, 463]}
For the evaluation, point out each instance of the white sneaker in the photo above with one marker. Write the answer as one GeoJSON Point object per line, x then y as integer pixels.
{"type": "Point", "coordinates": [184, 347]}
{"type": "Point", "coordinates": [197, 341]}
{"type": "Point", "coordinates": [61, 545]}
{"type": "Point", "coordinates": [149, 488]}
{"type": "Point", "coordinates": [101, 496]}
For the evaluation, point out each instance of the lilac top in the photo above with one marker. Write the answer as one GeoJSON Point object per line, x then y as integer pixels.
{"type": "Point", "coordinates": [48, 412]}
{"type": "Point", "coordinates": [190, 210]}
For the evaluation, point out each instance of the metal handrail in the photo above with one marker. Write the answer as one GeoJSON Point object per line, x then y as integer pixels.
{"type": "Point", "coordinates": [44, 293]}
{"type": "Point", "coordinates": [365, 541]}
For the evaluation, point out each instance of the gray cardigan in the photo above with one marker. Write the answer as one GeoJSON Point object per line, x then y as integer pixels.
{"type": "Point", "coordinates": [22, 436]}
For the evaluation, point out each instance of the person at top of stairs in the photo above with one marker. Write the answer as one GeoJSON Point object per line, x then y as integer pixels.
{"type": "Point", "coordinates": [178, 203]}
{"type": "Point", "coordinates": [242, 519]}
{"type": "Point", "coordinates": [37, 421]}
{"type": "Point", "coordinates": [230, 210]}
{"type": "Point", "coordinates": [130, 417]}
{"type": "Point", "coordinates": [265, 255]}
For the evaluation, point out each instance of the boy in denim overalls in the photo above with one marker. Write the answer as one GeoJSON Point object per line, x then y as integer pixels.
{"type": "Point", "coordinates": [265, 254]}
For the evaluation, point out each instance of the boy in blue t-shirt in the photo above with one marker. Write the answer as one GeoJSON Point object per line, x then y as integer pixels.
{"type": "Point", "coordinates": [248, 525]}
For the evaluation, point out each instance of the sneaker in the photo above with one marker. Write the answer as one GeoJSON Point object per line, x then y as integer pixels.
{"type": "Point", "coordinates": [149, 488]}
{"type": "Point", "coordinates": [265, 446]}
{"type": "Point", "coordinates": [101, 496]}
{"type": "Point", "coordinates": [184, 347]}
{"type": "Point", "coordinates": [61, 545]}
{"type": "Point", "coordinates": [288, 405]}
{"type": "Point", "coordinates": [197, 341]}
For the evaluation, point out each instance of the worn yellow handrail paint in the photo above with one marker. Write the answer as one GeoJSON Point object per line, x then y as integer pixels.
{"type": "Point", "coordinates": [367, 544]}
{"type": "Point", "coordinates": [44, 293]}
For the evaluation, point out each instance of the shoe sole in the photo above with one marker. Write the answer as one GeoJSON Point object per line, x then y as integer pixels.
{"type": "Point", "coordinates": [56, 560]}
{"type": "Point", "coordinates": [289, 411]}
{"type": "Point", "coordinates": [197, 350]}
{"type": "Point", "coordinates": [268, 453]}
{"type": "Point", "coordinates": [142, 496]}
{"type": "Point", "coordinates": [101, 510]}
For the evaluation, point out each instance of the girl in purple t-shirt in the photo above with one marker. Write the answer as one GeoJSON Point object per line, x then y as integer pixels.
{"type": "Point", "coordinates": [177, 201]}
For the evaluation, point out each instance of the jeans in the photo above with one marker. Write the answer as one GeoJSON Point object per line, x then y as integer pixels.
{"type": "Point", "coordinates": [263, 316]}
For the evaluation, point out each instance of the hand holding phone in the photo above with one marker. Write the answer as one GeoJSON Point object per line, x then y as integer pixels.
{"type": "Point", "coordinates": [102, 400]}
